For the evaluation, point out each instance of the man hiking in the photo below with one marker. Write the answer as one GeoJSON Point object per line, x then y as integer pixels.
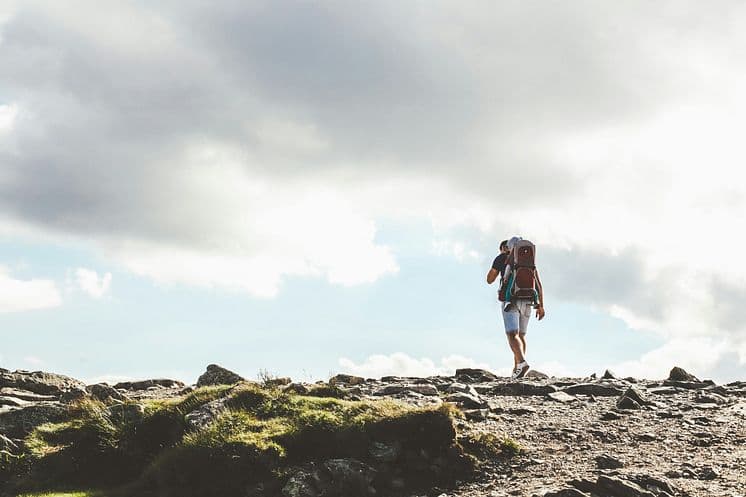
{"type": "Point", "coordinates": [520, 292]}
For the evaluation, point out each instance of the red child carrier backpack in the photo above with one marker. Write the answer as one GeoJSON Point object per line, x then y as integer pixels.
{"type": "Point", "coordinates": [521, 274]}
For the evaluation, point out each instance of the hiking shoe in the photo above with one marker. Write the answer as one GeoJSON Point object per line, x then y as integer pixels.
{"type": "Point", "coordinates": [521, 370]}
{"type": "Point", "coordinates": [516, 372]}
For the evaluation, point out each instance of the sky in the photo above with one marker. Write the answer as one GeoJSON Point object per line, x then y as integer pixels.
{"type": "Point", "coordinates": [316, 187]}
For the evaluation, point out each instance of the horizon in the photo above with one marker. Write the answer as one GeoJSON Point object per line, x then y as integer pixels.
{"type": "Point", "coordinates": [316, 188]}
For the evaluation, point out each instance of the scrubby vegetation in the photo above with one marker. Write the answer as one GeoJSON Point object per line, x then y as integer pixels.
{"type": "Point", "coordinates": [258, 439]}
{"type": "Point", "coordinates": [491, 446]}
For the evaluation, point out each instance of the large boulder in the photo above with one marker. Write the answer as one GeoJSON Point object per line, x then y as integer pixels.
{"type": "Point", "coordinates": [346, 379]}
{"type": "Point", "coordinates": [39, 382]}
{"type": "Point", "coordinates": [104, 392]}
{"type": "Point", "coordinates": [473, 375]}
{"type": "Point", "coordinates": [217, 375]}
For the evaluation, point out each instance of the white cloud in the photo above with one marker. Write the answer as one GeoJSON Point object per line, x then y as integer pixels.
{"type": "Point", "coordinates": [91, 283]}
{"type": "Point", "coordinates": [454, 248]}
{"type": "Point", "coordinates": [8, 113]}
{"type": "Point", "coordinates": [25, 295]}
{"type": "Point", "coordinates": [252, 233]}
{"type": "Point", "coordinates": [401, 364]}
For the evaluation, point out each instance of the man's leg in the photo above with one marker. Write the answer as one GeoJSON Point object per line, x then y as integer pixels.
{"type": "Point", "coordinates": [516, 345]}
{"type": "Point", "coordinates": [512, 326]}
{"type": "Point", "coordinates": [525, 316]}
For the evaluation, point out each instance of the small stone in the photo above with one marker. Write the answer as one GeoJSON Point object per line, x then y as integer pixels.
{"type": "Point", "coordinates": [598, 389]}
{"type": "Point", "coordinates": [710, 398]}
{"type": "Point", "coordinates": [609, 375]}
{"type": "Point", "coordinates": [567, 492]}
{"type": "Point", "coordinates": [656, 485]}
{"type": "Point", "coordinates": [610, 416]}
{"type": "Point", "coordinates": [463, 388]}
{"type": "Point", "coordinates": [619, 488]}
{"type": "Point", "coordinates": [103, 392]}
{"type": "Point", "coordinates": [472, 375]}
{"type": "Point", "coordinates": [605, 461]}
{"type": "Point", "coordinates": [205, 414]}
{"type": "Point", "coordinates": [217, 375]}
{"type": "Point", "coordinates": [522, 388]}
{"type": "Point", "coordinates": [390, 390]}
{"type": "Point", "coordinates": [632, 398]}
{"type": "Point", "coordinates": [647, 437]}
{"type": "Point", "coordinates": [663, 390]}
{"type": "Point", "coordinates": [423, 389]}
{"type": "Point", "coordinates": [537, 375]}
{"type": "Point", "coordinates": [627, 403]}
{"type": "Point", "coordinates": [707, 473]}
{"type": "Point", "coordinates": [278, 382]}
{"type": "Point", "coordinates": [562, 397]}
{"type": "Point", "coordinates": [467, 401]}
{"type": "Point", "coordinates": [679, 374]}
{"type": "Point", "coordinates": [297, 388]}
{"type": "Point", "coordinates": [73, 395]}
{"type": "Point", "coordinates": [670, 414]}
{"type": "Point", "coordinates": [476, 414]}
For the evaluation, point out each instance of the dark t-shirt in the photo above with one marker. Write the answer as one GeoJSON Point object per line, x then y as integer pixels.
{"type": "Point", "coordinates": [499, 264]}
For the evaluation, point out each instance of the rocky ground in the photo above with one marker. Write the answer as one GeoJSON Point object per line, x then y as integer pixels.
{"type": "Point", "coordinates": [603, 437]}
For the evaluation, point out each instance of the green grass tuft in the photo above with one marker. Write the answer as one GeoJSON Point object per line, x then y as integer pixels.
{"type": "Point", "coordinates": [490, 445]}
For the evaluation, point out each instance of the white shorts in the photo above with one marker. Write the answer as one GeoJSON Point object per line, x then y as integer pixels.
{"type": "Point", "coordinates": [517, 316]}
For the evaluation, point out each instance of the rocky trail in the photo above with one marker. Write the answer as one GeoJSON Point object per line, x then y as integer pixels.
{"type": "Point", "coordinates": [597, 436]}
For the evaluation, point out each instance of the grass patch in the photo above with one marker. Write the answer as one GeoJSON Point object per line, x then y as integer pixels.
{"type": "Point", "coordinates": [255, 442]}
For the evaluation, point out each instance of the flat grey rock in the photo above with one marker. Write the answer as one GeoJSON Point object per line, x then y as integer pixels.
{"type": "Point", "coordinates": [39, 382]}
{"type": "Point", "coordinates": [597, 389]}
{"type": "Point", "coordinates": [563, 397]}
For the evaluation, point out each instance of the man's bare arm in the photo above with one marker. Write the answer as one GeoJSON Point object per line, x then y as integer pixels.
{"type": "Point", "coordinates": [492, 276]}
{"type": "Point", "coordinates": [540, 309]}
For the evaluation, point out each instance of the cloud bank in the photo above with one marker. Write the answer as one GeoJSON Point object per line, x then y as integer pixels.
{"type": "Point", "coordinates": [26, 295]}
{"type": "Point", "coordinates": [236, 145]}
